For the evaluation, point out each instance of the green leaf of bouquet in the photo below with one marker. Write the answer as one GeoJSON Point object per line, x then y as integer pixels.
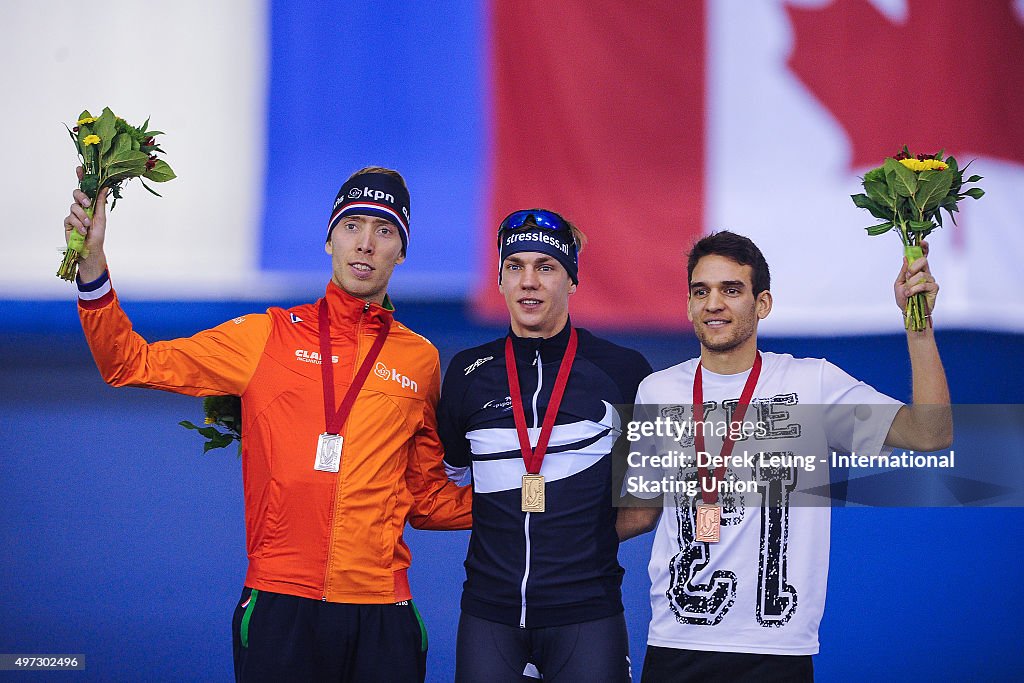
{"type": "Point", "coordinates": [975, 193]}
{"type": "Point", "coordinates": [865, 202]}
{"type": "Point", "coordinates": [84, 115]}
{"type": "Point", "coordinates": [875, 175]}
{"type": "Point", "coordinates": [122, 142]}
{"type": "Point", "coordinates": [921, 226]}
{"type": "Point", "coordinates": [89, 184]}
{"type": "Point", "coordinates": [160, 173]}
{"type": "Point", "coordinates": [880, 229]}
{"type": "Point", "coordinates": [949, 204]}
{"type": "Point", "coordinates": [106, 128]}
{"type": "Point", "coordinates": [127, 160]}
{"type": "Point", "coordinates": [149, 188]}
{"type": "Point", "coordinates": [208, 432]}
{"type": "Point", "coordinates": [901, 178]}
{"type": "Point", "coordinates": [187, 425]}
{"type": "Point", "coordinates": [220, 441]}
{"type": "Point", "coordinates": [933, 186]}
{"type": "Point", "coordinates": [974, 178]}
{"type": "Point", "coordinates": [878, 191]}
{"type": "Point", "coordinates": [116, 179]}
{"type": "Point", "coordinates": [123, 174]}
{"type": "Point", "coordinates": [74, 139]}
{"type": "Point", "coordinates": [128, 157]}
{"type": "Point", "coordinates": [127, 154]}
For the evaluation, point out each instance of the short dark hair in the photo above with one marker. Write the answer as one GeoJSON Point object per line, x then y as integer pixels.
{"type": "Point", "coordinates": [735, 247]}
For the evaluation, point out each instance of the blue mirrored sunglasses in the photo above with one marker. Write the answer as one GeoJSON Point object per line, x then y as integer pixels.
{"type": "Point", "coordinates": [545, 220]}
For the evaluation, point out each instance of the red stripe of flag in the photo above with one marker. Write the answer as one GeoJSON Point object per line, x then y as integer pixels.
{"type": "Point", "coordinates": [599, 113]}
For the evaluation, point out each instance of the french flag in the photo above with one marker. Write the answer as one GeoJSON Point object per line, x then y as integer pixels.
{"type": "Point", "coordinates": [647, 123]}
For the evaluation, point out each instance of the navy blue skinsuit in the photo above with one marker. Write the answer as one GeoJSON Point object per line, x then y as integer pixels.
{"type": "Point", "coordinates": [558, 567]}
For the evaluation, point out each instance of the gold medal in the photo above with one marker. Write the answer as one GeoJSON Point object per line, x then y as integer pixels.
{"type": "Point", "coordinates": [533, 493]}
{"type": "Point", "coordinates": [708, 523]}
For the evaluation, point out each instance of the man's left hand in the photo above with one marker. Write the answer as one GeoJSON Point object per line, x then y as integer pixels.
{"type": "Point", "coordinates": [914, 278]}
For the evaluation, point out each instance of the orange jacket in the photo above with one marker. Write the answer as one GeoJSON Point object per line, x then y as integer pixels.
{"type": "Point", "coordinates": [323, 535]}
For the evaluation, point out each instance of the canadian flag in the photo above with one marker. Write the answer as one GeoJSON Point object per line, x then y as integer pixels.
{"type": "Point", "coordinates": [651, 123]}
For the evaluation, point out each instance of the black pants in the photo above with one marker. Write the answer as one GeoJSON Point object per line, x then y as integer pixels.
{"type": "Point", "coordinates": [286, 638]}
{"type": "Point", "coordinates": [593, 651]}
{"type": "Point", "coordinates": [669, 665]}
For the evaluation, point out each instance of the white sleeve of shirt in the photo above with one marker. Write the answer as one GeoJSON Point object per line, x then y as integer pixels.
{"type": "Point", "coordinates": [462, 476]}
{"type": "Point", "coordinates": [857, 416]}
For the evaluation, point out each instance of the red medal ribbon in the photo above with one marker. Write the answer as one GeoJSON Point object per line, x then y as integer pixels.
{"type": "Point", "coordinates": [711, 497]}
{"type": "Point", "coordinates": [534, 457]}
{"type": "Point", "coordinates": [335, 420]}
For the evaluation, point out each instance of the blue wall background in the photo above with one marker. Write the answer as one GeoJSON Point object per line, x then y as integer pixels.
{"type": "Point", "coordinates": [397, 84]}
{"type": "Point", "coordinates": [123, 542]}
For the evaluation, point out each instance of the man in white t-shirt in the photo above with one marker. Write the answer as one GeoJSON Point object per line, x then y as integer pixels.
{"type": "Point", "coordinates": [746, 605]}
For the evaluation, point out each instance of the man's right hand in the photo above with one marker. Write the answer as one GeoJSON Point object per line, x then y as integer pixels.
{"type": "Point", "coordinates": [94, 229]}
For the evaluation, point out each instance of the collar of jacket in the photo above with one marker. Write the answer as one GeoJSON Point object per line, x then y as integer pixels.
{"type": "Point", "coordinates": [551, 348]}
{"type": "Point", "coordinates": [348, 310]}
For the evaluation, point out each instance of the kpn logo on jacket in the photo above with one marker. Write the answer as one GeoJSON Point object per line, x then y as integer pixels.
{"type": "Point", "coordinates": [394, 375]}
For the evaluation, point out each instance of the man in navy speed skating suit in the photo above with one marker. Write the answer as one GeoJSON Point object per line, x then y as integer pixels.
{"type": "Point", "coordinates": [542, 593]}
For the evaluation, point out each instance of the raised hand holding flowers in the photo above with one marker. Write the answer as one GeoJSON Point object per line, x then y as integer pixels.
{"type": "Point", "coordinates": [111, 151]}
{"type": "Point", "coordinates": [908, 193]}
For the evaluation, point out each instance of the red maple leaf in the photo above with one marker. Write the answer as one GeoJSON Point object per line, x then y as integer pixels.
{"type": "Point", "coordinates": [951, 76]}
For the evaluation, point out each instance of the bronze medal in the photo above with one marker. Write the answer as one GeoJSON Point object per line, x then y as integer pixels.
{"type": "Point", "coordinates": [708, 523]}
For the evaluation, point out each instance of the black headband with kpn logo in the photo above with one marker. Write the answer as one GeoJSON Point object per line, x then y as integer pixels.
{"type": "Point", "coordinates": [541, 231]}
{"type": "Point", "coordinates": [373, 194]}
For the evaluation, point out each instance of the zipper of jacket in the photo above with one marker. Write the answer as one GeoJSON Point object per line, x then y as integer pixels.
{"type": "Point", "coordinates": [526, 522]}
{"type": "Point", "coordinates": [337, 480]}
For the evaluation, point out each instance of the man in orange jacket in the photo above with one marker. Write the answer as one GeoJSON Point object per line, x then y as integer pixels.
{"type": "Point", "coordinates": [336, 456]}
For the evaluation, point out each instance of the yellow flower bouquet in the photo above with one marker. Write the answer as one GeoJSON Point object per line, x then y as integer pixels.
{"type": "Point", "coordinates": [111, 151]}
{"type": "Point", "coordinates": [907, 193]}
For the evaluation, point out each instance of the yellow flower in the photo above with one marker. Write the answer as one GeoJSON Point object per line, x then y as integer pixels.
{"type": "Point", "coordinates": [91, 140]}
{"type": "Point", "coordinates": [87, 119]}
{"type": "Point", "coordinates": [924, 164]}
{"type": "Point", "coordinates": [209, 421]}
